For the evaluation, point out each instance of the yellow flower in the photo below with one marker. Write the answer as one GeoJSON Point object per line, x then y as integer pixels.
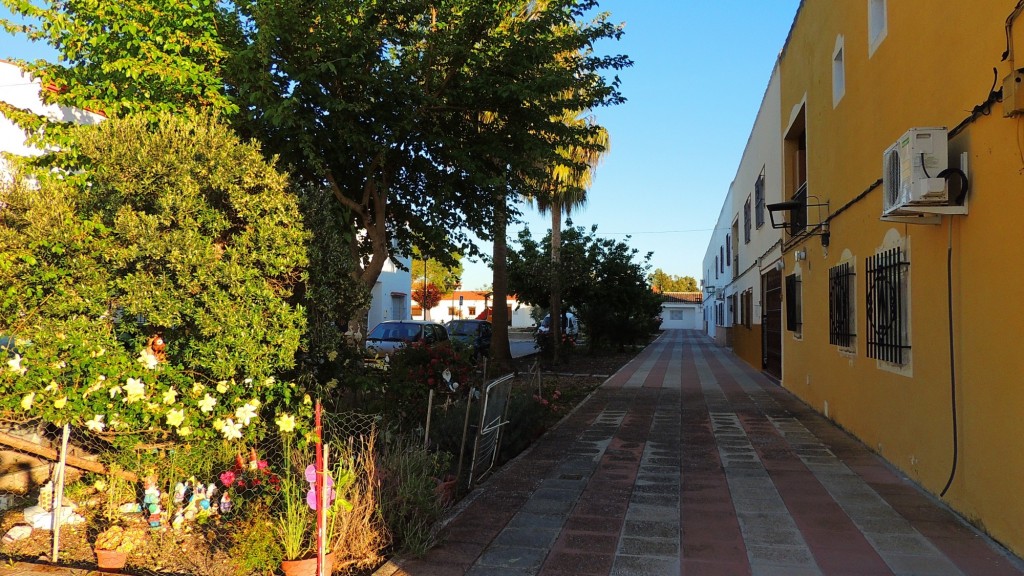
{"type": "Point", "coordinates": [97, 353]}
{"type": "Point", "coordinates": [148, 359]}
{"type": "Point", "coordinates": [14, 365]}
{"type": "Point", "coordinates": [175, 417]}
{"type": "Point", "coordinates": [207, 403]}
{"type": "Point", "coordinates": [135, 390]}
{"type": "Point", "coordinates": [26, 402]}
{"type": "Point", "coordinates": [96, 424]}
{"type": "Point", "coordinates": [99, 485]}
{"type": "Point", "coordinates": [197, 388]}
{"type": "Point", "coordinates": [231, 430]}
{"type": "Point", "coordinates": [51, 387]}
{"type": "Point", "coordinates": [245, 413]}
{"type": "Point", "coordinates": [184, 431]}
{"type": "Point", "coordinates": [170, 396]}
{"type": "Point", "coordinates": [307, 400]}
{"type": "Point", "coordinates": [218, 424]}
{"type": "Point", "coordinates": [222, 386]}
{"type": "Point", "coordinates": [285, 422]}
{"type": "Point", "coordinates": [59, 403]}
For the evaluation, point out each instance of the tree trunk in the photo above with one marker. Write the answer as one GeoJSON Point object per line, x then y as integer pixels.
{"type": "Point", "coordinates": [556, 281]}
{"type": "Point", "coordinates": [501, 357]}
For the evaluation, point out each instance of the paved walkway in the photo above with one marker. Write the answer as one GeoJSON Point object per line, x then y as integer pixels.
{"type": "Point", "coordinates": [688, 462]}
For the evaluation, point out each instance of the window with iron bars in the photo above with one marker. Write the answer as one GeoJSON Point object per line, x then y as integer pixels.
{"type": "Point", "coordinates": [794, 321]}
{"type": "Point", "coordinates": [886, 281]}
{"type": "Point", "coordinates": [759, 199]}
{"type": "Point", "coordinates": [746, 221]}
{"type": "Point", "coordinates": [747, 305]}
{"type": "Point", "coordinates": [841, 319]}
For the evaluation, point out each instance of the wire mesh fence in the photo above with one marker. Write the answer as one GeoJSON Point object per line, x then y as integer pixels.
{"type": "Point", "coordinates": [87, 497]}
{"type": "Point", "coordinates": [188, 508]}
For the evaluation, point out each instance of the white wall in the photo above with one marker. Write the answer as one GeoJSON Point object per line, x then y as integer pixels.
{"type": "Point", "coordinates": [762, 153]}
{"type": "Point", "coordinates": [20, 90]}
{"type": "Point", "coordinates": [390, 294]}
{"type": "Point", "coordinates": [692, 316]}
{"type": "Point", "coordinates": [520, 313]}
{"type": "Point", "coordinates": [715, 283]}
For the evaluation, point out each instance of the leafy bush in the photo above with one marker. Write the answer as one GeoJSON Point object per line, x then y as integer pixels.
{"type": "Point", "coordinates": [154, 291]}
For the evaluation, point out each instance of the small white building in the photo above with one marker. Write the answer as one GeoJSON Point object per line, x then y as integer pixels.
{"type": "Point", "coordinates": [682, 310]}
{"type": "Point", "coordinates": [472, 304]}
{"type": "Point", "coordinates": [391, 295]}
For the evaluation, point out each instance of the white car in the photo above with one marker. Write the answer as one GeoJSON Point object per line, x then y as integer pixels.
{"type": "Point", "coordinates": [570, 325]}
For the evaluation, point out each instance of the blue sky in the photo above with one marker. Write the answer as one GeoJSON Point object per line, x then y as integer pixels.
{"type": "Point", "coordinates": [700, 70]}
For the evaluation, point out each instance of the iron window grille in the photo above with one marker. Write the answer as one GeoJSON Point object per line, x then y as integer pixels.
{"type": "Point", "coordinates": [748, 307]}
{"type": "Point", "coordinates": [759, 200]}
{"type": "Point", "coordinates": [793, 311]}
{"type": "Point", "coordinates": [840, 305]}
{"type": "Point", "coordinates": [728, 248]}
{"type": "Point", "coordinates": [886, 306]}
{"type": "Point", "coordinates": [746, 221]}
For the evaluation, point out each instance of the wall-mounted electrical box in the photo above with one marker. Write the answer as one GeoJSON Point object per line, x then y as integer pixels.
{"type": "Point", "coordinates": [1013, 94]}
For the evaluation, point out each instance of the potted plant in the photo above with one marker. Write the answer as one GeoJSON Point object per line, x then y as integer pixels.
{"type": "Point", "coordinates": [296, 522]}
{"type": "Point", "coordinates": [113, 545]}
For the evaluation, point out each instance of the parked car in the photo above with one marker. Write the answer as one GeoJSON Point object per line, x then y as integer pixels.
{"type": "Point", "coordinates": [570, 325]}
{"type": "Point", "coordinates": [391, 335]}
{"type": "Point", "coordinates": [473, 333]}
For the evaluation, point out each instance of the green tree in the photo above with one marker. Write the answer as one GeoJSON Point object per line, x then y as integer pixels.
{"type": "Point", "coordinates": [413, 113]}
{"type": "Point", "coordinates": [664, 282]}
{"type": "Point", "coordinates": [444, 275]}
{"type": "Point", "coordinates": [176, 229]}
{"type": "Point", "coordinates": [602, 279]}
{"type": "Point", "coordinates": [565, 189]}
{"type": "Point", "coordinates": [126, 57]}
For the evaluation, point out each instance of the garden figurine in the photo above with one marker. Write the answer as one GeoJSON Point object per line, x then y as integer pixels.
{"type": "Point", "coordinates": [179, 519]}
{"type": "Point", "coordinates": [179, 493]}
{"type": "Point", "coordinates": [225, 503]}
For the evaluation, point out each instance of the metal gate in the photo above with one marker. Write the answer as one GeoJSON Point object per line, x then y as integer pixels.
{"type": "Point", "coordinates": [771, 323]}
{"type": "Point", "coordinates": [492, 419]}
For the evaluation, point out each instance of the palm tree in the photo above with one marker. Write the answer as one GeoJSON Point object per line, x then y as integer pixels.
{"type": "Point", "coordinates": [565, 189]}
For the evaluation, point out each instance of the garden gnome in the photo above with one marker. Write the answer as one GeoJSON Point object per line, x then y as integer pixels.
{"type": "Point", "coordinates": [155, 516]}
{"type": "Point", "coordinates": [179, 493]}
{"type": "Point", "coordinates": [225, 503]}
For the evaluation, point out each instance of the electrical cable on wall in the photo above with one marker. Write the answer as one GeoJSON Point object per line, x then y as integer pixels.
{"type": "Point", "coordinates": [952, 354]}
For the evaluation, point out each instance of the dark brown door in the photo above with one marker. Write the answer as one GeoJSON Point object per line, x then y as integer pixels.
{"type": "Point", "coordinates": [771, 323]}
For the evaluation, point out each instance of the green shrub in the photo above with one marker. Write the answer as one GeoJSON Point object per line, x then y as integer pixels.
{"type": "Point", "coordinates": [175, 229]}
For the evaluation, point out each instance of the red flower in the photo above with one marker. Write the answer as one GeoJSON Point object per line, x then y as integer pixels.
{"type": "Point", "coordinates": [227, 478]}
{"type": "Point", "coordinates": [241, 483]}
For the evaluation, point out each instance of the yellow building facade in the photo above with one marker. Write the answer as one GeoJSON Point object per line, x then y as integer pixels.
{"type": "Point", "coordinates": [867, 339]}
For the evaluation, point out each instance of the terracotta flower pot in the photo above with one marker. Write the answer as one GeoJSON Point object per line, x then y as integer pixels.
{"type": "Point", "coordinates": [110, 559]}
{"type": "Point", "coordinates": [306, 566]}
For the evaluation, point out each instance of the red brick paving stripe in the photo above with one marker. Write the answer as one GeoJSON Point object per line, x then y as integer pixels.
{"type": "Point", "coordinates": [606, 497]}
{"type": "Point", "coordinates": [627, 371]}
{"type": "Point", "coordinates": [832, 545]}
{"type": "Point", "coordinates": [971, 554]}
{"type": "Point", "coordinates": [711, 542]}
{"type": "Point", "coordinates": [656, 377]}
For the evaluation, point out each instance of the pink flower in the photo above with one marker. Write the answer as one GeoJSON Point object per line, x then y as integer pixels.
{"type": "Point", "coordinates": [227, 478]}
{"type": "Point", "coordinates": [261, 464]}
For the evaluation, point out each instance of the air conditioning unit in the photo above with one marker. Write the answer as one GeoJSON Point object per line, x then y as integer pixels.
{"type": "Point", "coordinates": [910, 172]}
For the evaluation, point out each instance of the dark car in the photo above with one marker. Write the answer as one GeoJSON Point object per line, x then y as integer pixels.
{"type": "Point", "coordinates": [473, 333]}
{"type": "Point", "coordinates": [391, 335]}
